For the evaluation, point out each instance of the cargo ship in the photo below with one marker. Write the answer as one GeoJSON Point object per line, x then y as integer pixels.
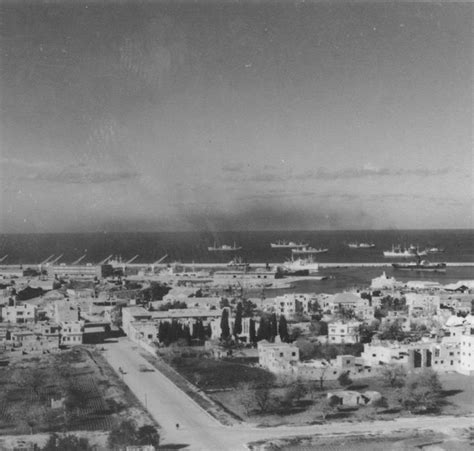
{"type": "Point", "coordinates": [282, 244]}
{"type": "Point", "coordinates": [301, 264]}
{"type": "Point", "coordinates": [357, 245]}
{"type": "Point", "coordinates": [309, 250]}
{"type": "Point", "coordinates": [400, 252]}
{"type": "Point", "coordinates": [224, 248]}
{"type": "Point", "coordinates": [420, 265]}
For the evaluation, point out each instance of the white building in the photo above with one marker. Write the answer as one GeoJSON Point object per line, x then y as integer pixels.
{"type": "Point", "coordinates": [22, 313]}
{"type": "Point", "coordinates": [279, 358]}
{"type": "Point", "coordinates": [71, 332]}
{"type": "Point", "coordinates": [291, 304]}
{"type": "Point", "coordinates": [343, 332]}
{"type": "Point", "coordinates": [466, 364]}
{"type": "Point", "coordinates": [422, 304]}
{"type": "Point", "coordinates": [348, 301]}
{"type": "Point", "coordinates": [384, 283]}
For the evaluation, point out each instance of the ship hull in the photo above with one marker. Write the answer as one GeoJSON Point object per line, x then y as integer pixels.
{"type": "Point", "coordinates": [440, 267]}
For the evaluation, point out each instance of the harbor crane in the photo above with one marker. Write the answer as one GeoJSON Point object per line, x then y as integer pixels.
{"type": "Point", "coordinates": [3, 258]}
{"type": "Point", "coordinates": [47, 260]}
{"type": "Point", "coordinates": [75, 262]}
{"type": "Point", "coordinates": [157, 262]}
{"type": "Point", "coordinates": [105, 260]}
{"type": "Point", "coordinates": [52, 262]}
{"type": "Point", "coordinates": [131, 260]}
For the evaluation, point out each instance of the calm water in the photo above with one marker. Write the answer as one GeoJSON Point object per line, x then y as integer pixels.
{"type": "Point", "coordinates": [189, 247]}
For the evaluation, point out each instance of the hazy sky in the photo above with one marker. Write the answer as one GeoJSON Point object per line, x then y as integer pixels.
{"type": "Point", "coordinates": [235, 115]}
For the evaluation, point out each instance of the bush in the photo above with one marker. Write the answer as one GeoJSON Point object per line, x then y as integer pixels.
{"type": "Point", "coordinates": [422, 392]}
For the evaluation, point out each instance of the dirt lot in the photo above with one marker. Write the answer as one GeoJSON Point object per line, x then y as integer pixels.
{"type": "Point", "coordinates": [397, 441]}
{"type": "Point", "coordinates": [210, 374]}
{"type": "Point", "coordinates": [458, 399]}
{"type": "Point", "coordinates": [88, 394]}
{"type": "Point", "coordinates": [230, 385]}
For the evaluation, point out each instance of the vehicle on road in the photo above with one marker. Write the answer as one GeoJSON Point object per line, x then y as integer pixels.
{"type": "Point", "coordinates": [144, 368]}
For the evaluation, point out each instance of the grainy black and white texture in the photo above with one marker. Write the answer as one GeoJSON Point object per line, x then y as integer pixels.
{"type": "Point", "coordinates": [187, 115]}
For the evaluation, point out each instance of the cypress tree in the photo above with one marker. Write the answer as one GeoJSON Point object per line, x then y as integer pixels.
{"type": "Point", "coordinates": [262, 332]}
{"type": "Point", "coordinates": [252, 332]}
{"type": "Point", "coordinates": [225, 329]}
{"type": "Point", "coordinates": [273, 326]}
{"type": "Point", "coordinates": [283, 329]}
{"type": "Point", "coordinates": [238, 320]}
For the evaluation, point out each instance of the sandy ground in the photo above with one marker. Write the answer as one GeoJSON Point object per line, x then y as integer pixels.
{"type": "Point", "coordinates": [169, 406]}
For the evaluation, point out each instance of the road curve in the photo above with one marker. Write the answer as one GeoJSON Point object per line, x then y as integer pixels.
{"type": "Point", "coordinates": [169, 405]}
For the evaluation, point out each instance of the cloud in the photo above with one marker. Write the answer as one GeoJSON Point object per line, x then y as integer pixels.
{"type": "Point", "coordinates": [233, 167]}
{"type": "Point", "coordinates": [82, 175]}
{"type": "Point", "coordinates": [366, 171]}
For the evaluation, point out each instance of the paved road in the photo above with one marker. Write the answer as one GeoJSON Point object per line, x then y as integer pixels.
{"type": "Point", "coordinates": [169, 405]}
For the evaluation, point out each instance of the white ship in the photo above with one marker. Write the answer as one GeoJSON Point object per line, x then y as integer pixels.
{"type": "Point", "coordinates": [400, 252]}
{"type": "Point", "coordinates": [238, 263]}
{"type": "Point", "coordinates": [357, 245]}
{"type": "Point", "coordinates": [255, 279]}
{"type": "Point", "coordinates": [301, 264]}
{"type": "Point", "coordinates": [309, 250]}
{"type": "Point", "coordinates": [224, 248]}
{"type": "Point", "coordinates": [288, 245]}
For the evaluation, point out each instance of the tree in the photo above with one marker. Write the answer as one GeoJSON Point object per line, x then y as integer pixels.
{"type": "Point", "coordinates": [273, 326]}
{"type": "Point", "coordinates": [392, 331]}
{"type": "Point", "coordinates": [422, 392]}
{"type": "Point", "coordinates": [344, 379]}
{"type": "Point", "coordinates": [148, 435]}
{"type": "Point", "coordinates": [263, 398]}
{"type": "Point", "coordinates": [319, 327]}
{"type": "Point", "coordinates": [68, 442]}
{"type": "Point", "coordinates": [296, 332]}
{"type": "Point", "coordinates": [252, 331]}
{"type": "Point", "coordinates": [394, 375]}
{"type": "Point", "coordinates": [329, 406]}
{"type": "Point", "coordinates": [238, 320]}
{"type": "Point", "coordinates": [122, 435]}
{"type": "Point", "coordinates": [246, 396]}
{"type": "Point", "coordinates": [367, 331]}
{"type": "Point", "coordinates": [248, 308]}
{"type": "Point", "coordinates": [314, 306]}
{"type": "Point", "coordinates": [322, 374]}
{"type": "Point", "coordinates": [264, 329]}
{"type": "Point", "coordinates": [225, 329]}
{"type": "Point", "coordinates": [296, 391]}
{"type": "Point", "coordinates": [283, 329]}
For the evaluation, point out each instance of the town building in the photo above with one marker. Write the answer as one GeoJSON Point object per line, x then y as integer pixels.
{"type": "Point", "coordinates": [340, 332]}
{"type": "Point", "coordinates": [384, 283]}
{"type": "Point", "coordinates": [292, 304]}
{"type": "Point", "coordinates": [19, 313]}
{"type": "Point", "coordinates": [279, 358]}
{"type": "Point", "coordinates": [71, 332]}
{"type": "Point", "coordinates": [87, 271]}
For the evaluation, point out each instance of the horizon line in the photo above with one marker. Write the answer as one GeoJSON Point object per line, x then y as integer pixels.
{"type": "Point", "coordinates": [238, 231]}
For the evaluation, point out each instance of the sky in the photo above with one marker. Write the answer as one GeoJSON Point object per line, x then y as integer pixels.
{"type": "Point", "coordinates": [249, 115]}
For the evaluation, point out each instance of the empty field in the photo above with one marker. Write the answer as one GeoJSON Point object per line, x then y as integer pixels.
{"type": "Point", "coordinates": [72, 390]}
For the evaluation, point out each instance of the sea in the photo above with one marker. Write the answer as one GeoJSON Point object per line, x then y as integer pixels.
{"type": "Point", "coordinates": [188, 247]}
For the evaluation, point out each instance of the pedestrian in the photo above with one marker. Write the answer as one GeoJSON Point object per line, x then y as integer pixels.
{"type": "Point", "coordinates": [177, 425]}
